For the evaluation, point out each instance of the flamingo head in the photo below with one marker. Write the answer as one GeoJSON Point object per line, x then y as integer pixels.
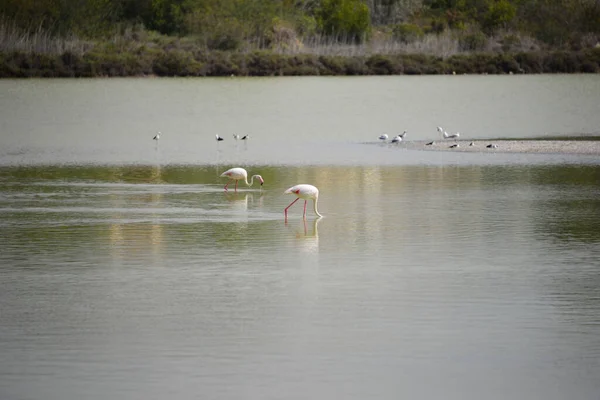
{"type": "Point", "coordinates": [260, 178]}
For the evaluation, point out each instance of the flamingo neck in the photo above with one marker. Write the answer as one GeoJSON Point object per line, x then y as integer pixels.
{"type": "Point", "coordinates": [251, 180]}
{"type": "Point", "coordinates": [315, 206]}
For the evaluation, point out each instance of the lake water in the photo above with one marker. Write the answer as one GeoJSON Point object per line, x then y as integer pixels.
{"type": "Point", "coordinates": [127, 272]}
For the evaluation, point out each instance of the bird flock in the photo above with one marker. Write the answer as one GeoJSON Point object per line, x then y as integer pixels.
{"type": "Point", "coordinates": [445, 135]}
{"type": "Point", "coordinates": [305, 191]}
{"type": "Point", "coordinates": [302, 191]}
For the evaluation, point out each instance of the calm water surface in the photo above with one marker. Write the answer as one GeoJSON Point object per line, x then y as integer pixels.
{"type": "Point", "coordinates": [126, 272]}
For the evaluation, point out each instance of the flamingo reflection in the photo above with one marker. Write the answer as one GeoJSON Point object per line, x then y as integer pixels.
{"type": "Point", "coordinates": [308, 237]}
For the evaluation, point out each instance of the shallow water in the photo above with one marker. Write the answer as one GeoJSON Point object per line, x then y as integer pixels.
{"type": "Point", "coordinates": [127, 272]}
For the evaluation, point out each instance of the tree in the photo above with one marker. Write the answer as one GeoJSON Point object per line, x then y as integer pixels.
{"type": "Point", "coordinates": [344, 18]}
{"type": "Point", "coordinates": [500, 14]}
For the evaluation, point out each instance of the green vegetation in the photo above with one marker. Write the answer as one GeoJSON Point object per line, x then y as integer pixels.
{"type": "Point", "coordinates": [296, 37]}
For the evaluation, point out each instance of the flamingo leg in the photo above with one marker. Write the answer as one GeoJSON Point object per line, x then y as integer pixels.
{"type": "Point", "coordinates": [227, 185]}
{"type": "Point", "coordinates": [292, 203]}
{"type": "Point", "coordinates": [304, 215]}
{"type": "Point", "coordinates": [236, 185]}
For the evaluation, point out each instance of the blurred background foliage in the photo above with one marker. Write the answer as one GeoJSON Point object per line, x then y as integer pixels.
{"type": "Point", "coordinates": [231, 24]}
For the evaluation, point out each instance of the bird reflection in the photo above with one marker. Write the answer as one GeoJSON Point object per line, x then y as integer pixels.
{"type": "Point", "coordinates": [308, 235]}
{"type": "Point", "coordinates": [306, 232]}
{"type": "Point", "coordinates": [238, 200]}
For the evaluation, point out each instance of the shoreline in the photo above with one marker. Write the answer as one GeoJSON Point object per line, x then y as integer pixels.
{"type": "Point", "coordinates": [532, 146]}
{"type": "Point", "coordinates": [157, 62]}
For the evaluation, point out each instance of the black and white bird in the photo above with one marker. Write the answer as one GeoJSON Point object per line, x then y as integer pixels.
{"type": "Point", "coordinates": [245, 137]}
{"type": "Point", "coordinates": [429, 144]}
{"type": "Point", "coordinates": [455, 145]}
{"type": "Point", "coordinates": [397, 139]}
{"type": "Point", "coordinates": [156, 137]}
{"type": "Point", "coordinates": [218, 138]}
{"type": "Point", "coordinates": [492, 146]}
{"type": "Point", "coordinates": [383, 137]}
{"type": "Point", "coordinates": [472, 144]}
{"type": "Point", "coordinates": [402, 135]}
{"type": "Point", "coordinates": [235, 136]}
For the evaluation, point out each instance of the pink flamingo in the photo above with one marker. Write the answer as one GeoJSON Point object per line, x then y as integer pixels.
{"type": "Point", "coordinates": [236, 174]}
{"type": "Point", "coordinates": [304, 192]}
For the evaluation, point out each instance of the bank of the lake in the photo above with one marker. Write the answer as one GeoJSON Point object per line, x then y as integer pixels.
{"type": "Point", "coordinates": [109, 62]}
{"type": "Point", "coordinates": [576, 146]}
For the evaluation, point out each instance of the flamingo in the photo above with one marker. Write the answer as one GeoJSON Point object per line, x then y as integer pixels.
{"type": "Point", "coordinates": [305, 192]}
{"type": "Point", "coordinates": [219, 138]}
{"type": "Point", "coordinates": [236, 174]}
{"type": "Point", "coordinates": [157, 136]}
{"type": "Point", "coordinates": [383, 137]}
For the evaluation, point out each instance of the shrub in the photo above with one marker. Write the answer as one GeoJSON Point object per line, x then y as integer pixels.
{"type": "Point", "coordinates": [380, 64]}
{"type": "Point", "coordinates": [407, 33]}
{"type": "Point", "coordinates": [561, 62]}
{"type": "Point", "coordinates": [176, 63]}
{"type": "Point", "coordinates": [475, 41]}
{"type": "Point", "coordinates": [530, 62]}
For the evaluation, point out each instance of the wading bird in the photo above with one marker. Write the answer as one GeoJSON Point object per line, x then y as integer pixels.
{"type": "Point", "coordinates": [236, 174]}
{"type": "Point", "coordinates": [156, 137]}
{"type": "Point", "coordinates": [304, 192]}
{"type": "Point", "coordinates": [235, 136]}
{"type": "Point", "coordinates": [402, 135]}
{"type": "Point", "coordinates": [219, 138]}
{"type": "Point", "coordinates": [397, 139]}
{"type": "Point", "coordinates": [492, 146]}
{"type": "Point", "coordinates": [245, 137]}
{"type": "Point", "coordinates": [454, 146]}
{"type": "Point", "coordinates": [383, 137]}
{"type": "Point", "coordinates": [429, 144]}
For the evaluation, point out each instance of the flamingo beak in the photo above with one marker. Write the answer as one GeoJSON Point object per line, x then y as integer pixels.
{"type": "Point", "coordinates": [262, 182]}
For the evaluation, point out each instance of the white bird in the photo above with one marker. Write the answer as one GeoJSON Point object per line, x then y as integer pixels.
{"type": "Point", "coordinates": [383, 137]}
{"type": "Point", "coordinates": [397, 139]}
{"type": "Point", "coordinates": [236, 174]}
{"type": "Point", "coordinates": [402, 135]}
{"type": "Point", "coordinates": [304, 192]}
{"type": "Point", "coordinates": [429, 144]}
{"type": "Point", "coordinates": [235, 136]}
{"type": "Point", "coordinates": [219, 138]}
{"type": "Point", "coordinates": [245, 137]}
{"type": "Point", "coordinates": [157, 136]}
{"type": "Point", "coordinates": [492, 146]}
{"type": "Point", "coordinates": [454, 146]}
{"type": "Point", "coordinates": [453, 136]}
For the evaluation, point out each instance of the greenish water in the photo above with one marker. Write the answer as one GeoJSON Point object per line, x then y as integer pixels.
{"type": "Point", "coordinates": [127, 272]}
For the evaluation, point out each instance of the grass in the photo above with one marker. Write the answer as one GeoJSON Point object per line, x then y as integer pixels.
{"type": "Point", "coordinates": [136, 52]}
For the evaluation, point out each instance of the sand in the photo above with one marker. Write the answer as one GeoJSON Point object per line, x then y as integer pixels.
{"type": "Point", "coordinates": [586, 147]}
